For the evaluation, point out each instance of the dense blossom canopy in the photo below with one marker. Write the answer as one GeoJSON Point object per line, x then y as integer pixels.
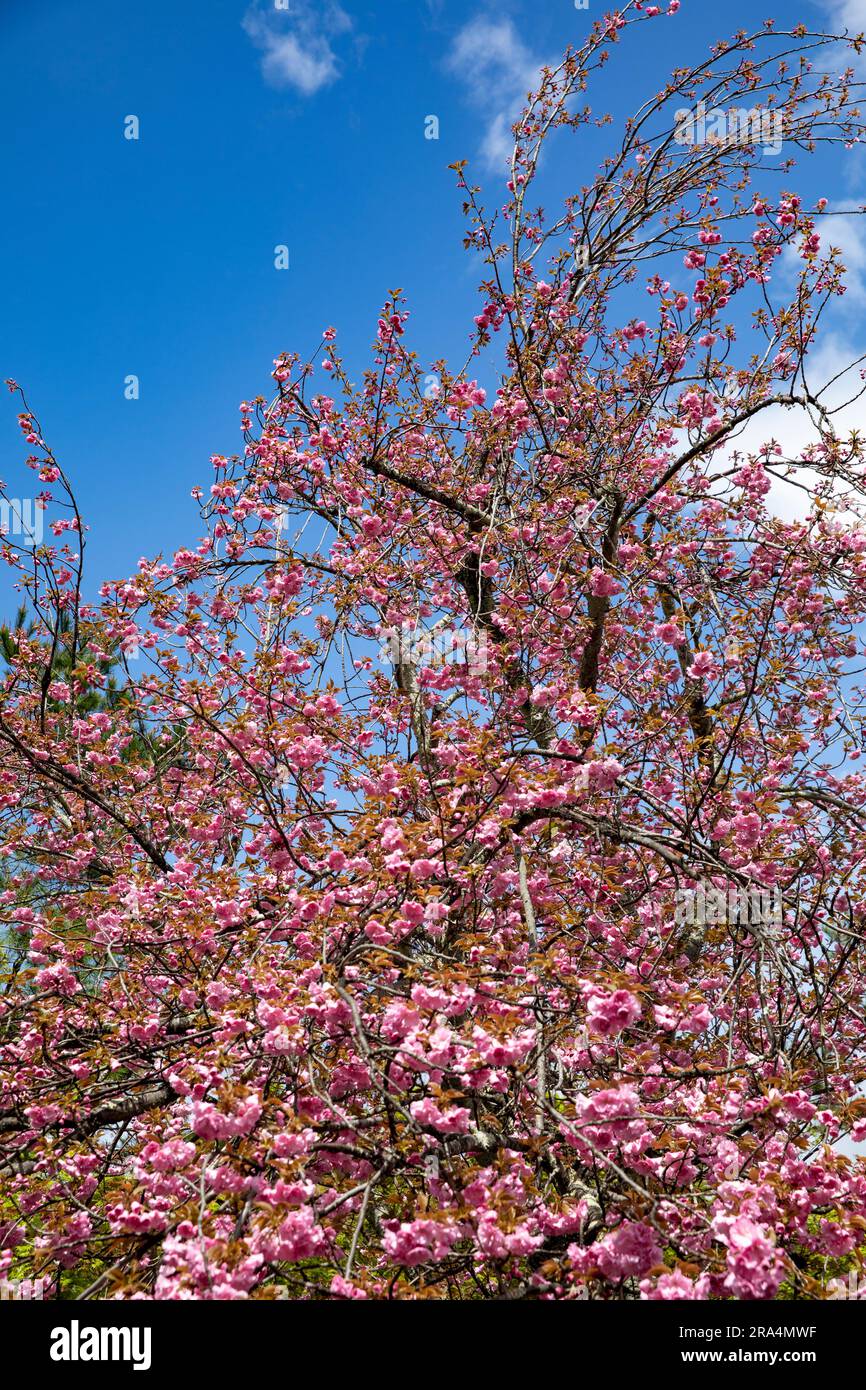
{"type": "Point", "coordinates": [350, 857]}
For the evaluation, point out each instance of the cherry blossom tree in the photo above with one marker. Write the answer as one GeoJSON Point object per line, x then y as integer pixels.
{"type": "Point", "coordinates": [388, 929]}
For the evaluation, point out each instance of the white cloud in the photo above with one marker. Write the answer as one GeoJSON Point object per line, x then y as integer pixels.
{"type": "Point", "coordinates": [489, 48]}
{"type": "Point", "coordinates": [847, 231]}
{"type": "Point", "coordinates": [793, 429]}
{"type": "Point", "coordinates": [296, 44]}
{"type": "Point", "coordinates": [498, 142]}
{"type": "Point", "coordinates": [497, 69]}
{"type": "Point", "coordinates": [839, 17]}
{"type": "Point", "coordinates": [848, 14]}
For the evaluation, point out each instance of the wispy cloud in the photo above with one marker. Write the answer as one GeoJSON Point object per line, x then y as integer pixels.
{"type": "Point", "coordinates": [846, 230]}
{"type": "Point", "coordinates": [847, 14]}
{"type": "Point", "coordinates": [794, 429]}
{"type": "Point", "coordinates": [497, 70]}
{"type": "Point", "coordinates": [296, 44]}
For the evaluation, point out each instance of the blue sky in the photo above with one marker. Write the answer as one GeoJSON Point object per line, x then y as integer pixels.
{"type": "Point", "coordinates": [258, 127]}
